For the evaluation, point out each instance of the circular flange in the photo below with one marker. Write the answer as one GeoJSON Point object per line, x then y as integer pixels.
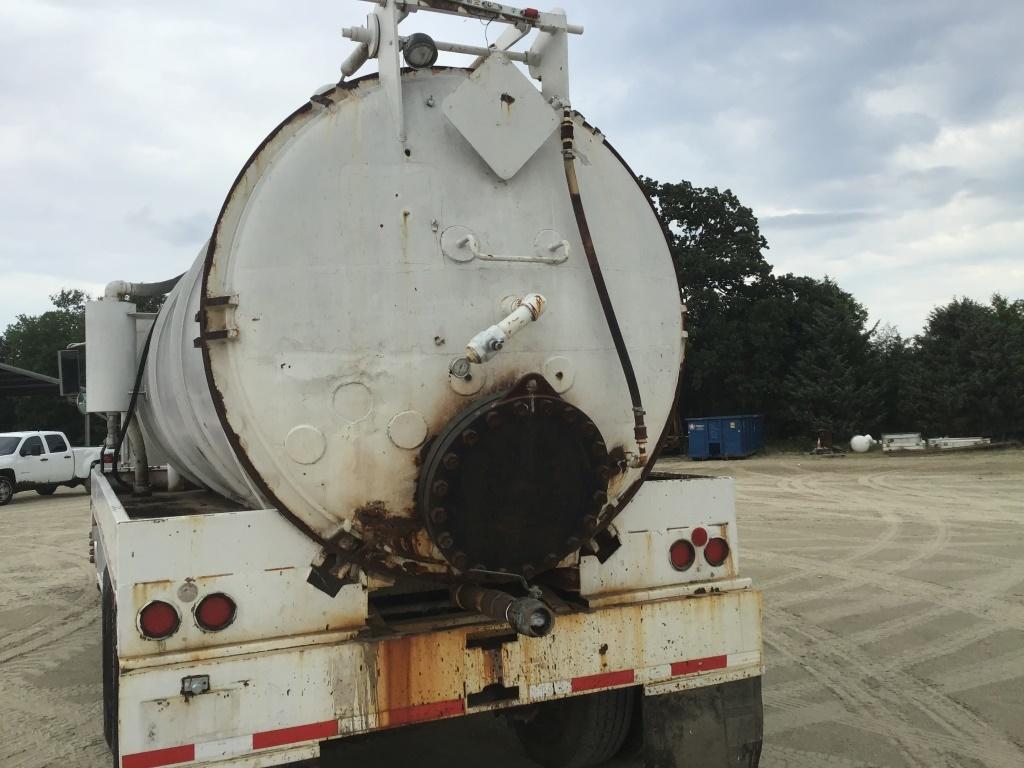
{"type": "Point", "coordinates": [305, 444]}
{"type": "Point", "coordinates": [455, 243]}
{"type": "Point", "coordinates": [407, 429]}
{"type": "Point", "coordinates": [516, 483]}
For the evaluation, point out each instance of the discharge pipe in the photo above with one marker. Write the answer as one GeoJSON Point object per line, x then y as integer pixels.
{"type": "Point", "coordinates": [526, 615]}
{"type": "Point", "coordinates": [520, 312]}
{"type": "Point", "coordinates": [118, 289]}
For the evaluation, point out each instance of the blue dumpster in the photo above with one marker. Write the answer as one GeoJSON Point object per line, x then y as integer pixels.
{"type": "Point", "coordinates": [724, 437]}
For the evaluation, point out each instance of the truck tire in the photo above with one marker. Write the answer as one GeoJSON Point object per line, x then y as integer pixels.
{"type": "Point", "coordinates": [46, 490]}
{"type": "Point", "coordinates": [579, 731]}
{"type": "Point", "coordinates": [110, 667]}
{"type": "Point", "coordinates": [6, 490]}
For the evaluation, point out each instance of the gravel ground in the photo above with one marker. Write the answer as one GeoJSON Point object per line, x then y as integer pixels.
{"type": "Point", "coordinates": [894, 616]}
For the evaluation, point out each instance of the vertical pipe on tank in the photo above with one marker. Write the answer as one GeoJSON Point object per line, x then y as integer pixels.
{"type": "Point", "coordinates": [175, 482]}
{"type": "Point", "coordinates": [140, 486]}
{"type": "Point", "coordinates": [110, 364]}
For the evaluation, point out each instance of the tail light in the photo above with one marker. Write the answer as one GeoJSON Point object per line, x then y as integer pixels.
{"type": "Point", "coordinates": [158, 620]}
{"type": "Point", "coordinates": [716, 551]}
{"type": "Point", "coordinates": [682, 554]}
{"type": "Point", "coordinates": [214, 612]}
{"type": "Point", "coordinates": [699, 537]}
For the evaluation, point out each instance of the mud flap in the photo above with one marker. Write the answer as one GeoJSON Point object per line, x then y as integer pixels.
{"type": "Point", "coordinates": [712, 727]}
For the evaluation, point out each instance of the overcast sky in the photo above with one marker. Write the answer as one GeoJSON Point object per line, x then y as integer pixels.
{"type": "Point", "coordinates": [881, 143]}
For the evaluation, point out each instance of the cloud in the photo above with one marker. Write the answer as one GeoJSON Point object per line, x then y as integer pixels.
{"type": "Point", "coordinates": [189, 230]}
{"type": "Point", "coordinates": [879, 142]}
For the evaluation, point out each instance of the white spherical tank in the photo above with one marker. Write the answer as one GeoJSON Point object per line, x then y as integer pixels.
{"type": "Point", "coordinates": [861, 443]}
{"type": "Point", "coordinates": [313, 358]}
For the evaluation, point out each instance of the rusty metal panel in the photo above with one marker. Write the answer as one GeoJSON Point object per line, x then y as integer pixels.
{"type": "Point", "coordinates": [319, 690]}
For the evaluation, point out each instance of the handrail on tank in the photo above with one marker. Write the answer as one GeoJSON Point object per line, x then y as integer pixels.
{"type": "Point", "coordinates": [483, 9]}
{"type": "Point", "coordinates": [547, 58]}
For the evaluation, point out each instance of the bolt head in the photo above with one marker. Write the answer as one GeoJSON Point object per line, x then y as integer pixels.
{"type": "Point", "coordinates": [470, 437]}
{"type": "Point", "coordinates": [450, 461]}
{"type": "Point", "coordinates": [493, 419]}
{"type": "Point", "coordinates": [445, 541]}
{"type": "Point", "coordinates": [440, 488]}
{"type": "Point", "coordinates": [521, 409]}
{"type": "Point", "coordinates": [460, 561]}
{"type": "Point", "coordinates": [438, 515]}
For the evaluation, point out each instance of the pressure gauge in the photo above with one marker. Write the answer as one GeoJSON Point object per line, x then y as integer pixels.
{"type": "Point", "coordinates": [460, 368]}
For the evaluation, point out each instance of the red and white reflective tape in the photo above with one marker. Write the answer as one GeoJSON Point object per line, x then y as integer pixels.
{"type": "Point", "coordinates": [239, 745]}
{"type": "Point", "coordinates": [655, 674]}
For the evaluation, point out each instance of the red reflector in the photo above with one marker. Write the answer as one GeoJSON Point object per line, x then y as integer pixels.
{"type": "Point", "coordinates": [158, 620]}
{"type": "Point", "coordinates": [266, 739]}
{"type": "Point", "coordinates": [603, 680]}
{"type": "Point", "coordinates": [699, 665]}
{"type": "Point", "coordinates": [157, 758]}
{"type": "Point", "coordinates": [682, 554]}
{"type": "Point", "coordinates": [420, 713]}
{"type": "Point", "coordinates": [716, 552]}
{"type": "Point", "coordinates": [531, 13]}
{"type": "Point", "coordinates": [215, 612]}
{"type": "Point", "coordinates": [699, 537]}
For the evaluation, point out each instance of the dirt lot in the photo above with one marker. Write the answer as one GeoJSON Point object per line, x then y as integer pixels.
{"type": "Point", "coordinates": [894, 621]}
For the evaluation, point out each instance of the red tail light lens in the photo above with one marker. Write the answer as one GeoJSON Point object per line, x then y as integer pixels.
{"type": "Point", "coordinates": [158, 620]}
{"type": "Point", "coordinates": [682, 554]}
{"type": "Point", "coordinates": [699, 537]}
{"type": "Point", "coordinates": [215, 612]}
{"type": "Point", "coordinates": [716, 552]}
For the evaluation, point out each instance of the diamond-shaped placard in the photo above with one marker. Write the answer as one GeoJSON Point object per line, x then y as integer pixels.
{"type": "Point", "coordinates": [499, 112]}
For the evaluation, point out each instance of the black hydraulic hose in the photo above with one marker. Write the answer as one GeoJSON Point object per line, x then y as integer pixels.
{"type": "Point", "coordinates": [131, 407]}
{"type": "Point", "coordinates": [569, 159]}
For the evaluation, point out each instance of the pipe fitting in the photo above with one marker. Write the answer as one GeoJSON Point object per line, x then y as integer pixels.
{"type": "Point", "coordinates": [526, 615]}
{"type": "Point", "coordinates": [520, 312]}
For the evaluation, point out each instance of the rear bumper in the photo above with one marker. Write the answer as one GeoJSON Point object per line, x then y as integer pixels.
{"type": "Point", "coordinates": [275, 706]}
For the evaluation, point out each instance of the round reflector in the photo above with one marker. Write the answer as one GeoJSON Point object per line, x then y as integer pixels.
{"type": "Point", "coordinates": [215, 612]}
{"type": "Point", "coordinates": [716, 552]}
{"type": "Point", "coordinates": [681, 554]}
{"type": "Point", "coordinates": [158, 620]}
{"type": "Point", "coordinates": [699, 537]}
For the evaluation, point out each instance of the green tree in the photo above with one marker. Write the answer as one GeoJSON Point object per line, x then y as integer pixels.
{"type": "Point", "coordinates": [716, 245]}
{"type": "Point", "coordinates": [831, 383]}
{"type": "Point", "coordinates": [32, 342]}
{"type": "Point", "coordinates": [968, 369]}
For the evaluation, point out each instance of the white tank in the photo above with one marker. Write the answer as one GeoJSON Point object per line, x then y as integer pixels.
{"type": "Point", "coordinates": [345, 276]}
{"type": "Point", "coordinates": [861, 443]}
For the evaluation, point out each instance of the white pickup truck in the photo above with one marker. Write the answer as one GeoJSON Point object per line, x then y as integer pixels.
{"type": "Point", "coordinates": [41, 461]}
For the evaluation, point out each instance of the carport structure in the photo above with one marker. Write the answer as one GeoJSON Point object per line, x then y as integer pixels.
{"type": "Point", "coordinates": [17, 381]}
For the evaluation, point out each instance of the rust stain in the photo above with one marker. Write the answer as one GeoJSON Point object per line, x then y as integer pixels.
{"type": "Point", "coordinates": [380, 527]}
